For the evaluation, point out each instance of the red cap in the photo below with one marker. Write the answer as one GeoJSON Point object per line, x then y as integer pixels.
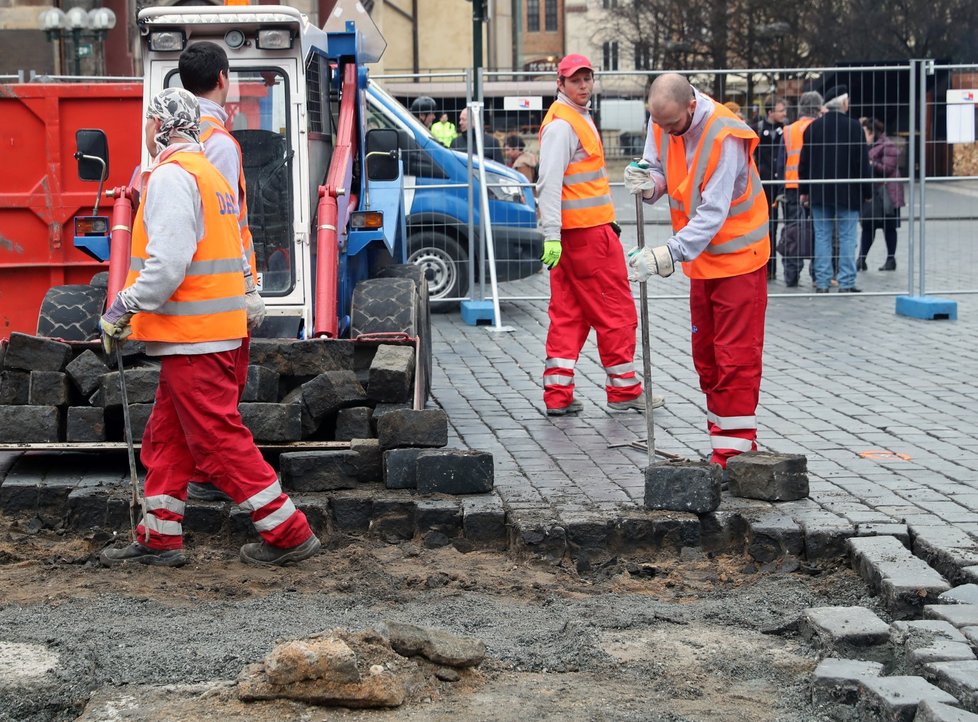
{"type": "Point", "coordinates": [571, 64]}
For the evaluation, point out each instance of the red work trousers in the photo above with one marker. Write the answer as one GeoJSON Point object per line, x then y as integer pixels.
{"type": "Point", "coordinates": [195, 423]}
{"type": "Point", "coordinates": [589, 289]}
{"type": "Point", "coordinates": [727, 316]}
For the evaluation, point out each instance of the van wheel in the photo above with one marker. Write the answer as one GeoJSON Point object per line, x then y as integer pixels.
{"type": "Point", "coordinates": [71, 313]}
{"type": "Point", "coordinates": [445, 265]}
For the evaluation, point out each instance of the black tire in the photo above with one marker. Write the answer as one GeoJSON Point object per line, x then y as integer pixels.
{"type": "Point", "coordinates": [71, 313]}
{"type": "Point", "coordinates": [384, 305]}
{"type": "Point", "coordinates": [416, 274]}
{"type": "Point", "coordinates": [445, 264]}
{"type": "Point", "coordinates": [100, 280]}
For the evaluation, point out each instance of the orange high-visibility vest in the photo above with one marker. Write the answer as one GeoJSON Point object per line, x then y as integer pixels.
{"type": "Point", "coordinates": [209, 304]}
{"type": "Point", "coordinates": [208, 126]}
{"type": "Point", "coordinates": [585, 197]}
{"type": "Point", "coordinates": [741, 245]}
{"type": "Point", "coordinates": [792, 150]}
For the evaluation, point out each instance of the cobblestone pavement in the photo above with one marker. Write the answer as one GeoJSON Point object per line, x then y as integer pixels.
{"type": "Point", "coordinates": [884, 407]}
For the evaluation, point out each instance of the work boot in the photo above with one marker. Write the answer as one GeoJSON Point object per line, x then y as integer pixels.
{"type": "Point", "coordinates": [136, 552]}
{"type": "Point", "coordinates": [574, 407]}
{"type": "Point", "coordinates": [264, 554]}
{"type": "Point", "coordinates": [638, 403]}
{"type": "Point", "coordinates": [205, 492]}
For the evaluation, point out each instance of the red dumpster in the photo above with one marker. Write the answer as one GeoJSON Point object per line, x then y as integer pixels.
{"type": "Point", "coordinates": [40, 193]}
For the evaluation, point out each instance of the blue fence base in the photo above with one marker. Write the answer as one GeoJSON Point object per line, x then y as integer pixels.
{"type": "Point", "coordinates": [475, 311]}
{"type": "Point", "coordinates": [928, 308]}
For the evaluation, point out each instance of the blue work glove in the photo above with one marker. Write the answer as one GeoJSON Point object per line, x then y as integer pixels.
{"type": "Point", "coordinates": [114, 324]}
{"type": "Point", "coordinates": [551, 254]}
{"type": "Point", "coordinates": [645, 262]}
{"type": "Point", "coordinates": [637, 178]}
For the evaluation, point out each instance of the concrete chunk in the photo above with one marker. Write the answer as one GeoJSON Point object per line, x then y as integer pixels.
{"type": "Point", "coordinates": [14, 387]}
{"type": "Point", "coordinates": [964, 594]}
{"type": "Point", "coordinates": [409, 427]}
{"type": "Point", "coordinates": [370, 459]}
{"type": "Point", "coordinates": [768, 476]}
{"type": "Point", "coordinates": [85, 423]}
{"type": "Point", "coordinates": [86, 371]}
{"type": "Point", "coordinates": [391, 374]}
{"type": "Point", "coordinates": [272, 422]}
{"type": "Point", "coordinates": [262, 385]}
{"type": "Point", "coordinates": [959, 615]}
{"type": "Point", "coordinates": [928, 711]}
{"type": "Point", "coordinates": [401, 468]}
{"type": "Point", "coordinates": [846, 631]}
{"type": "Point", "coordinates": [35, 353]}
{"type": "Point", "coordinates": [837, 680]}
{"type": "Point", "coordinates": [895, 699]}
{"type": "Point", "coordinates": [141, 386]}
{"type": "Point", "coordinates": [905, 582]}
{"type": "Point", "coordinates": [48, 388]}
{"type": "Point", "coordinates": [454, 471]}
{"type": "Point", "coordinates": [25, 424]}
{"type": "Point", "coordinates": [319, 470]}
{"type": "Point", "coordinates": [353, 423]}
{"type": "Point", "coordinates": [692, 486]}
{"type": "Point", "coordinates": [959, 678]}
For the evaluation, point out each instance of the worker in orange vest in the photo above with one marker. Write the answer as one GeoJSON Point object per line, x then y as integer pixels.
{"type": "Point", "coordinates": [185, 298]}
{"type": "Point", "coordinates": [700, 155]}
{"type": "Point", "coordinates": [588, 280]}
{"type": "Point", "coordinates": [204, 71]}
{"type": "Point", "coordinates": [795, 214]}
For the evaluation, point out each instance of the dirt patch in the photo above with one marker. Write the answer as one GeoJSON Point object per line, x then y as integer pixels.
{"type": "Point", "coordinates": [652, 638]}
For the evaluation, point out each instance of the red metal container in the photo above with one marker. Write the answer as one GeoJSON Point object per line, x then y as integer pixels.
{"type": "Point", "coordinates": [40, 193]}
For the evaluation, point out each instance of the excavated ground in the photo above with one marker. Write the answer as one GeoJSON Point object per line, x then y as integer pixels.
{"type": "Point", "coordinates": [671, 637]}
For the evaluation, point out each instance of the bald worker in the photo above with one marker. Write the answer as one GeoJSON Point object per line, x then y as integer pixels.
{"type": "Point", "coordinates": [700, 155]}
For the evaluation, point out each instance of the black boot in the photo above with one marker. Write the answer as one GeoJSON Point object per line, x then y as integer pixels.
{"type": "Point", "coordinates": [861, 264]}
{"type": "Point", "coordinates": [889, 264]}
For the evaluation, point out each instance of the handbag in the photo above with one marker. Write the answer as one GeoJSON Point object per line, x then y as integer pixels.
{"type": "Point", "coordinates": [798, 239]}
{"type": "Point", "coordinates": [882, 200]}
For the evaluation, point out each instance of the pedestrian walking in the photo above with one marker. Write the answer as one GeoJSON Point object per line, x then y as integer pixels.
{"type": "Point", "coordinates": [588, 280]}
{"type": "Point", "coordinates": [204, 71]}
{"type": "Point", "coordinates": [185, 298]}
{"type": "Point", "coordinates": [834, 149]}
{"type": "Point", "coordinates": [700, 155]}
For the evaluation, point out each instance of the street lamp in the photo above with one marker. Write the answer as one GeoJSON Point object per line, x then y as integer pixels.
{"type": "Point", "coordinates": [90, 25]}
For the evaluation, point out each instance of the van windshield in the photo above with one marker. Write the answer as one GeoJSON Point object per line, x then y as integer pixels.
{"type": "Point", "coordinates": [389, 101]}
{"type": "Point", "coordinates": [258, 118]}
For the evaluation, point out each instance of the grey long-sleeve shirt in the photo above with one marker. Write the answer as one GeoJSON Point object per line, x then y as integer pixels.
{"type": "Point", "coordinates": [173, 216]}
{"type": "Point", "coordinates": [728, 181]}
{"type": "Point", "coordinates": [559, 147]}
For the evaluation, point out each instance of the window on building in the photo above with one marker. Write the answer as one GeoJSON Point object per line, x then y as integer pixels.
{"type": "Point", "coordinates": [609, 52]}
{"type": "Point", "coordinates": [643, 56]}
{"type": "Point", "coordinates": [609, 4]}
{"type": "Point", "coordinates": [550, 15]}
{"type": "Point", "coordinates": [533, 16]}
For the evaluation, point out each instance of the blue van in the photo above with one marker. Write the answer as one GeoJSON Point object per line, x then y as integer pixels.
{"type": "Point", "coordinates": [438, 217]}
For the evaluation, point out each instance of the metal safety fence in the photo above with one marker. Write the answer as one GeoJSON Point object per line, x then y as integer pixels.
{"type": "Point", "coordinates": [910, 172]}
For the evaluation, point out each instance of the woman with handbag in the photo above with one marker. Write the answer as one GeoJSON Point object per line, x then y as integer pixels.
{"type": "Point", "coordinates": [884, 210]}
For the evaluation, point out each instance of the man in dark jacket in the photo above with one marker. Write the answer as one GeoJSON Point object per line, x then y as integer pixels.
{"type": "Point", "coordinates": [834, 149]}
{"type": "Point", "coordinates": [770, 132]}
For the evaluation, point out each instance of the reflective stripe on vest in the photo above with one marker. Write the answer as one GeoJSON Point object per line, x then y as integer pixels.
{"type": "Point", "coordinates": [208, 126]}
{"type": "Point", "coordinates": [793, 136]}
{"type": "Point", "coordinates": [741, 245]}
{"type": "Point", "coordinates": [206, 306]}
{"type": "Point", "coordinates": [585, 196]}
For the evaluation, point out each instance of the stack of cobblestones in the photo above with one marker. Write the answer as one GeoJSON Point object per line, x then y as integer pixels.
{"type": "Point", "coordinates": [919, 668]}
{"type": "Point", "coordinates": [387, 472]}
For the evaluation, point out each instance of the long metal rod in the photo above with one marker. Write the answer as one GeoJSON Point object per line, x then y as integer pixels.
{"type": "Point", "coordinates": [911, 176]}
{"type": "Point", "coordinates": [643, 293]}
{"type": "Point", "coordinates": [925, 66]}
{"type": "Point", "coordinates": [134, 502]}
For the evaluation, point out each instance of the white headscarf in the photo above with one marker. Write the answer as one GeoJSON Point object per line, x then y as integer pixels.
{"type": "Point", "coordinates": [179, 112]}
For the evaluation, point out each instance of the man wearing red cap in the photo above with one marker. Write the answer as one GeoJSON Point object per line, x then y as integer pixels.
{"type": "Point", "coordinates": [588, 281]}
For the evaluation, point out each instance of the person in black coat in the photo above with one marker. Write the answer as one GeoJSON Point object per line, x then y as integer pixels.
{"type": "Point", "coordinates": [771, 133]}
{"type": "Point", "coordinates": [490, 146]}
{"type": "Point", "coordinates": [834, 149]}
